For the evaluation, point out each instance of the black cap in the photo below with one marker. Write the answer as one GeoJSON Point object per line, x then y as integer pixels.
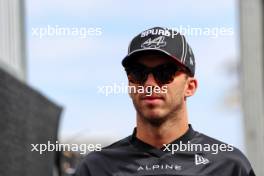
{"type": "Point", "coordinates": [165, 41]}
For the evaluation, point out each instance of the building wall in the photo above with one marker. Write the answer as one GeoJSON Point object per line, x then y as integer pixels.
{"type": "Point", "coordinates": [12, 38]}
{"type": "Point", "coordinates": [27, 117]}
{"type": "Point", "coordinates": [252, 80]}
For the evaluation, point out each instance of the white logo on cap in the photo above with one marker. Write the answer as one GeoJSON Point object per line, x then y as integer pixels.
{"type": "Point", "coordinates": [154, 43]}
{"type": "Point", "coordinates": [191, 60]}
{"type": "Point", "coordinates": [164, 32]}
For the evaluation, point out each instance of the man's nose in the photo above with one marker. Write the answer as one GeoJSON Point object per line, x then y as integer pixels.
{"type": "Point", "coordinates": [150, 80]}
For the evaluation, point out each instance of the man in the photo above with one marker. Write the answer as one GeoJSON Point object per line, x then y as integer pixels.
{"type": "Point", "coordinates": [163, 143]}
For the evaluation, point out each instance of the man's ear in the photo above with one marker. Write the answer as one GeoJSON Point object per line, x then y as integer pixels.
{"type": "Point", "coordinates": [191, 86]}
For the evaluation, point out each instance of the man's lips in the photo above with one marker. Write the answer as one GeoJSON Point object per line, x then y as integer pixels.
{"type": "Point", "coordinates": [152, 98]}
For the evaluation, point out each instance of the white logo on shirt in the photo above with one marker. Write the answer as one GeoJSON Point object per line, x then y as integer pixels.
{"type": "Point", "coordinates": [200, 160]}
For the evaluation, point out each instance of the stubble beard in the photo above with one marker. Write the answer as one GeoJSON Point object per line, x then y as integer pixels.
{"type": "Point", "coordinates": [158, 120]}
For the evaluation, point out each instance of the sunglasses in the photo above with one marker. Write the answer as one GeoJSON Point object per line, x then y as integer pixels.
{"type": "Point", "coordinates": [163, 74]}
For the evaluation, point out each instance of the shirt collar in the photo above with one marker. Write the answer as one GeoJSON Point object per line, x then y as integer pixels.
{"type": "Point", "coordinates": [141, 145]}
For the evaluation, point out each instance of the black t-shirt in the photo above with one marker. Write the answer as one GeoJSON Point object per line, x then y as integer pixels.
{"type": "Point", "coordinates": [199, 155]}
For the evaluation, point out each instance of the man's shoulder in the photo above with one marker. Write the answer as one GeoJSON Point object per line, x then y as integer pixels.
{"type": "Point", "coordinates": [223, 148]}
{"type": "Point", "coordinates": [112, 149]}
{"type": "Point", "coordinates": [103, 158]}
{"type": "Point", "coordinates": [222, 152]}
{"type": "Point", "coordinates": [118, 144]}
{"type": "Point", "coordinates": [203, 139]}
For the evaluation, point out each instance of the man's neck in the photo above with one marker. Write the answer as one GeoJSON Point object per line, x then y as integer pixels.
{"type": "Point", "coordinates": [165, 133]}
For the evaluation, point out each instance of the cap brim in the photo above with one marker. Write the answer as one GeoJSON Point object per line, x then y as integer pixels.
{"type": "Point", "coordinates": [135, 54]}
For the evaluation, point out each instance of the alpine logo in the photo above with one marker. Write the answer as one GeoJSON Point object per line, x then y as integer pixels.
{"type": "Point", "coordinates": [200, 160]}
{"type": "Point", "coordinates": [154, 43]}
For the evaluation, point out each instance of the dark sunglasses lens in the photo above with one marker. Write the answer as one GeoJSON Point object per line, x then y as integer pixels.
{"type": "Point", "coordinates": [137, 74]}
{"type": "Point", "coordinates": [164, 74]}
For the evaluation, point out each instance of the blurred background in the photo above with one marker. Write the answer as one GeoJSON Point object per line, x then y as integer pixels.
{"type": "Point", "coordinates": [68, 50]}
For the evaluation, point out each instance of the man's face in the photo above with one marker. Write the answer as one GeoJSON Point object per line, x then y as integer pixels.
{"type": "Point", "coordinates": [158, 107]}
